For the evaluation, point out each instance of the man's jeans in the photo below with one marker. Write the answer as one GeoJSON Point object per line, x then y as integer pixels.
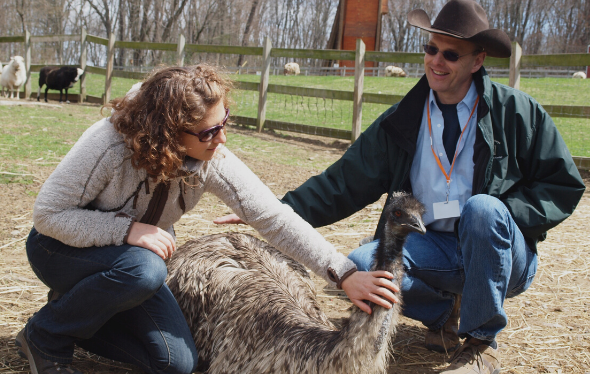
{"type": "Point", "coordinates": [114, 303]}
{"type": "Point", "coordinates": [488, 263]}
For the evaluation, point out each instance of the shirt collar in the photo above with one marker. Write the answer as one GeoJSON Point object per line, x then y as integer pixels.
{"type": "Point", "coordinates": [468, 100]}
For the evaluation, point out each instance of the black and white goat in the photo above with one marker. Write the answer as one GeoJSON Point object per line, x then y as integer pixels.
{"type": "Point", "coordinates": [58, 78]}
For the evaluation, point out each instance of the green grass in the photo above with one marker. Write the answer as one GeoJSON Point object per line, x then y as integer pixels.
{"type": "Point", "coordinates": [576, 133]}
{"type": "Point", "coordinates": [40, 136]}
{"type": "Point", "coordinates": [556, 91]}
{"type": "Point", "coordinates": [338, 114]}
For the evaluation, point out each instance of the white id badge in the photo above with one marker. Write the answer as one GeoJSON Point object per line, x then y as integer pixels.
{"type": "Point", "coordinates": [446, 209]}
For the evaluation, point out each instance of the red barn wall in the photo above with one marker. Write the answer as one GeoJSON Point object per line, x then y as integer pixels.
{"type": "Point", "coordinates": [360, 21]}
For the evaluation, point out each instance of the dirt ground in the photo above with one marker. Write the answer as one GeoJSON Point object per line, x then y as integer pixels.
{"type": "Point", "coordinates": [549, 325]}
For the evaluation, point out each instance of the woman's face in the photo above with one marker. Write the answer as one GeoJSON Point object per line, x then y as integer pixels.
{"type": "Point", "coordinates": [205, 150]}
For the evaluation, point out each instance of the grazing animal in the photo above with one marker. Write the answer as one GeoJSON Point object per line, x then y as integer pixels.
{"type": "Point", "coordinates": [252, 309]}
{"type": "Point", "coordinates": [58, 78]}
{"type": "Point", "coordinates": [394, 71]}
{"type": "Point", "coordinates": [14, 75]}
{"type": "Point", "coordinates": [291, 68]}
{"type": "Point", "coordinates": [579, 74]}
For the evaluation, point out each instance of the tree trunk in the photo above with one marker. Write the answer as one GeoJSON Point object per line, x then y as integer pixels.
{"type": "Point", "coordinates": [247, 28]}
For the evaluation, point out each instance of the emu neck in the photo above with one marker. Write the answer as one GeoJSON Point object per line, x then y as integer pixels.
{"type": "Point", "coordinates": [390, 248]}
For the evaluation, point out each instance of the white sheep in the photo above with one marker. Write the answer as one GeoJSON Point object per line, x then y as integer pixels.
{"type": "Point", "coordinates": [292, 68]}
{"type": "Point", "coordinates": [579, 74]}
{"type": "Point", "coordinates": [394, 71]}
{"type": "Point", "coordinates": [13, 76]}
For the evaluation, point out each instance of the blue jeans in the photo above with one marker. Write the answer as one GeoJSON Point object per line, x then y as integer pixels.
{"type": "Point", "coordinates": [489, 262]}
{"type": "Point", "coordinates": [114, 303]}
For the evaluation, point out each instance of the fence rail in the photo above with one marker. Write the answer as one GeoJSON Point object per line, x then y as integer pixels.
{"type": "Point", "coordinates": [515, 64]}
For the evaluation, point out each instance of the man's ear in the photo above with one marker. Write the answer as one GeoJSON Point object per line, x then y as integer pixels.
{"type": "Point", "coordinates": [478, 62]}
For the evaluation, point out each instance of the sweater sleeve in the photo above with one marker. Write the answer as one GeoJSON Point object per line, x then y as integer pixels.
{"type": "Point", "coordinates": [62, 210]}
{"type": "Point", "coordinates": [238, 187]}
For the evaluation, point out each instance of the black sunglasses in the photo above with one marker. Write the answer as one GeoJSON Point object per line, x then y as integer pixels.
{"type": "Point", "coordinates": [208, 134]}
{"type": "Point", "coordinates": [448, 55]}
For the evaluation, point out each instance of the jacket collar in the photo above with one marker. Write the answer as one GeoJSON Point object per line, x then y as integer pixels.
{"type": "Point", "coordinates": [404, 123]}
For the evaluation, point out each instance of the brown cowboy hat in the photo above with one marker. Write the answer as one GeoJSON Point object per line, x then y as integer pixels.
{"type": "Point", "coordinates": [465, 19]}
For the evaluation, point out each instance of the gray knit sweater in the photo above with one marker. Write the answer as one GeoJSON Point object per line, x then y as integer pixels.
{"type": "Point", "coordinates": [95, 194]}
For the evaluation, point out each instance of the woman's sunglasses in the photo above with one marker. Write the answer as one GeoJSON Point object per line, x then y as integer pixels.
{"type": "Point", "coordinates": [448, 55]}
{"type": "Point", "coordinates": [208, 134]}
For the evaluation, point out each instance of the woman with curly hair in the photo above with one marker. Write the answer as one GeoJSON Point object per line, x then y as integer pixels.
{"type": "Point", "coordinates": [103, 226]}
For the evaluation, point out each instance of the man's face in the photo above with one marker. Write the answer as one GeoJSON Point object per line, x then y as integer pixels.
{"type": "Point", "coordinates": [451, 80]}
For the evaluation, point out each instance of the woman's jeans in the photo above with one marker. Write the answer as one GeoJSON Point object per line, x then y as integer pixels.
{"type": "Point", "coordinates": [114, 303]}
{"type": "Point", "coordinates": [489, 262]}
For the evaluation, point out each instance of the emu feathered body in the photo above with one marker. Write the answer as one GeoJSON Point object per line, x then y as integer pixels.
{"type": "Point", "coordinates": [252, 309]}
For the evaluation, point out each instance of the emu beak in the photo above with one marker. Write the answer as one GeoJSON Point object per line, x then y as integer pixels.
{"type": "Point", "coordinates": [417, 225]}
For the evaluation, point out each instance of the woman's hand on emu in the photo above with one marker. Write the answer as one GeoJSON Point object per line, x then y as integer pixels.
{"type": "Point", "coordinates": [153, 238]}
{"type": "Point", "coordinates": [373, 286]}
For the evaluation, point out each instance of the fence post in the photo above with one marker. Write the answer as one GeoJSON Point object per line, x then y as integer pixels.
{"type": "Point", "coordinates": [359, 77]}
{"type": "Point", "coordinates": [180, 50]}
{"type": "Point", "coordinates": [263, 90]}
{"type": "Point", "coordinates": [27, 64]}
{"type": "Point", "coordinates": [110, 63]}
{"type": "Point", "coordinates": [83, 55]}
{"type": "Point", "coordinates": [514, 80]}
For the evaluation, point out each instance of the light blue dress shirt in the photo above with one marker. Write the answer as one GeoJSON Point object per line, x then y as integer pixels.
{"type": "Point", "coordinates": [429, 184]}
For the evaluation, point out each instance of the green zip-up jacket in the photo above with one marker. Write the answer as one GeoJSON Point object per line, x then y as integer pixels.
{"type": "Point", "coordinates": [519, 157]}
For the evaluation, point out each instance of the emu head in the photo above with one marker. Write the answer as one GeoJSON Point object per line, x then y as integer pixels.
{"type": "Point", "coordinates": [404, 215]}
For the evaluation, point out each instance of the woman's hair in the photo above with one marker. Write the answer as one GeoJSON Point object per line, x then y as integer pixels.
{"type": "Point", "coordinates": [169, 101]}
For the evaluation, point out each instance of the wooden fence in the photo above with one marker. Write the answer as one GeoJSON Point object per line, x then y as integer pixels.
{"type": "Point", "coordinates": [358, 97]}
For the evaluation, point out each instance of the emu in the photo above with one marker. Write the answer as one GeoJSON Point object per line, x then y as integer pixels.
{"type": "Point", "coordinates": [252, 309]}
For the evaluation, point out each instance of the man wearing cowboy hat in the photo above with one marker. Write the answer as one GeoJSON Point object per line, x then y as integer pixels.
{"type": "Point", "coordinates": [489, 165]}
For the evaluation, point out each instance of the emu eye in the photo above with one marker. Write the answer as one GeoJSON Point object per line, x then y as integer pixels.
{"type": "Point", "coordinates": [398, 213]}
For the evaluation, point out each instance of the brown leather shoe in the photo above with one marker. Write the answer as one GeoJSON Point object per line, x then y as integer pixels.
{"type": "Point", "coordinates": [446, 339]}
{"type": "Point", "coordinates": [474, 359]}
